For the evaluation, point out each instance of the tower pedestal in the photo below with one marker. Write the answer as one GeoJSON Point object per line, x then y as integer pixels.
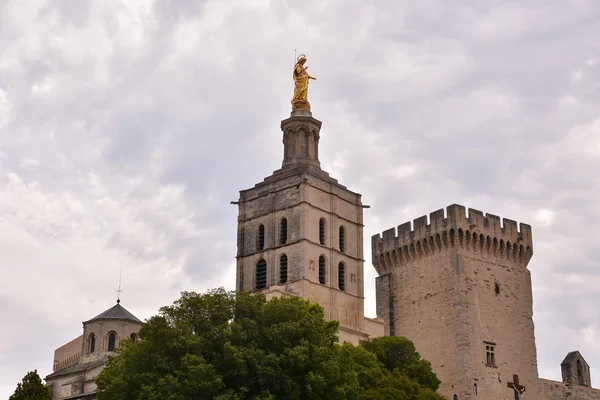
{"type": "Point", "coordinates": [301, 139]}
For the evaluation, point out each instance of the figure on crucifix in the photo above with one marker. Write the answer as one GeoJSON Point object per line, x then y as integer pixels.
{"type": "Point", "coordinates": [517, 388]}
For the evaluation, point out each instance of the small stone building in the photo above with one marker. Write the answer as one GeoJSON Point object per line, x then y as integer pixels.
{"type": "Point", "coordinates": [78, 363]}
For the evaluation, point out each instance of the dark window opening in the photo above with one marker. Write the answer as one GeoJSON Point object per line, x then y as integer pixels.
{"type": "Point", "coordinates": [322, 270]}
{"type": "Point", "coordinates": [497, 288]}
{"type": "Point", "coordinates": [322, 231]}
{"type": "Point", "coordinates": [283, 268]}
{"type": "Point", "coordinates": [342, 276]}
{"type": "Point", "coordinates": [455, 397]}
{"type": "Point", "coordinates": [342, 239]}
{"type": "Point", "coordinates": [133, 337]}
{"type": "Point", "coordinates": [92, 343]}
{"type": "Point", "coordinates": [475, 388]}
{"type": "Point", "coordinates": [490, 355]}
{"type": "Point", "coordinates": [260, 242]}
{"type": "Point", "coordinates": [112, 339]}
{"type": "Point", "coordinates": [283, 232]}
{"type": "Point", "coordinates": [580, 373]}
{"type": "Point", "coordinates": [261, 274]}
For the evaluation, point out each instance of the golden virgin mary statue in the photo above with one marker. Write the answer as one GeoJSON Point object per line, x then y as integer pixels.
{"type": "Point", "coordinates": [301, 77]}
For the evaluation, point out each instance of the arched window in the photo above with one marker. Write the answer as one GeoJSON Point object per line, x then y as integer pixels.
{"type": "Point", "coordinates": [322, 231]}
{"type": "Point", "coordinates": [283, 231]}
{"type": "Point", "coordinates": [261, 274]}
{"type": "Point", "coordinates": [112, 341]}
{"type": "Point", "coordinates": [342, 276]}
{"type": "Point", "coordinates": [322, 272]}
{"type": "Point", "coordinates": [283, 261]}
{"type": "Point", "coordinates": [342, 239]}
{"type": "Point", "coordinates": [92, 343]}
{"type": "Point", "coordinates": [260, 240]}
{"type": "Point", "coordinates": [133, 337]}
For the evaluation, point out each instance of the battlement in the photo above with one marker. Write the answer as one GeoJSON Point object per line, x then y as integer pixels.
{"type": "Point", "coordinates": [66, 363]}
{"type": "Point", "coordinates": [457, 227]}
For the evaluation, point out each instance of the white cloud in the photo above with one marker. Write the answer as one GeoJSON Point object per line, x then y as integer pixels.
{"type": "Point", "coordinates": [544, 216]}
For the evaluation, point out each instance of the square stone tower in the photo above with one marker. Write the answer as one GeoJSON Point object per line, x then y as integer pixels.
{"type": "Point", "coordinates": [300, 233]}
{"type": "Point", "coordinates": [459, 288]}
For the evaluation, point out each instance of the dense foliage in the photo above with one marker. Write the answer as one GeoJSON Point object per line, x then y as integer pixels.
{"type": "Point", "coordinates": [224, 346]}
{"type": "Point", "coordinates": [31, 388]}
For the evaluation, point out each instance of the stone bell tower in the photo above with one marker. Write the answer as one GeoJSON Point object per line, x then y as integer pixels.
{"type": "Point", "coordinates": [300, 233]}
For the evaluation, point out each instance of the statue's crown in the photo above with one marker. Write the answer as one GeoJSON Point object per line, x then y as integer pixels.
{"type": "Point", "coordinates": [301, 56]}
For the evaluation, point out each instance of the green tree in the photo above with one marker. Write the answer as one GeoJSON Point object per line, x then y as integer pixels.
{"type": "Point", "coordinates": [224, 346]}
{"type": "Point", "coordinates": [399, 353]}
{"type": "Point", "coordinates": [31, 388]}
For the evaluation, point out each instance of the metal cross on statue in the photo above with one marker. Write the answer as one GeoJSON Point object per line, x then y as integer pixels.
{"type": "Point", "coordinates": [514, 385]}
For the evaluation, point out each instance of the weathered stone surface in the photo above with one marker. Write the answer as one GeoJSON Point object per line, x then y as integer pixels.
{"type": "Point", "coordinates": [575, 370]}
{"type": "Point", "coordinates": [552, 390]}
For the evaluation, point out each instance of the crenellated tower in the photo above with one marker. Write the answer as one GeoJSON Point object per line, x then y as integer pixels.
{"type": "Point", "coordinates": [458, 286]}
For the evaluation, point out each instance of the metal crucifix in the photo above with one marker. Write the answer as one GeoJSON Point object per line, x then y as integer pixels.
{"type": "Point", "coordinates": [518, 389]}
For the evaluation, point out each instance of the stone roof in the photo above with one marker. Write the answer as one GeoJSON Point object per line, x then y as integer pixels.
{"type": "Point", "coordinates": [572, 356]}
{"type": "Point", "coordinates": [77, 368]}
{"type": "Point", "coordinates": [115, 312]}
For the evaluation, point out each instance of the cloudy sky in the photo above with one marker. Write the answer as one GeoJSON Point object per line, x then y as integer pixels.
{"type": "Point", "coordinates": [127, 127]}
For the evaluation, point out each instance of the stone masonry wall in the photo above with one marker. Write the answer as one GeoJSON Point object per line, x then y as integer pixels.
{"type": "Point", "coordinates": [67, 354]}
{"type": "Point", "coordinates": [552, 390]}
{"type": "Point", "coordinates": [304, 199]}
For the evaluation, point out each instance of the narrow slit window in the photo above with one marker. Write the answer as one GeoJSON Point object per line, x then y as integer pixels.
{"type": "Point", "coordinates": [497, 288]}
{"type": "Point", "coordinates": [260, 240]}
{"type": "Point", "coordinates": [342, 239]}
{"type": "Point", "coordinates": [92, 343]}
{"type": "Point", "coordinates": [342, 276]}
{"type": "Point", "coordinates": [283, 231]}
{"type": "Point", "coordinates": [261, 274]}
{"type": "Point", "coordinates": [322, 231]}
{"type": "Point", "coordinates": [112, 339]}
{"type": "Point", "coordinates": [490, 355]}
{"type": "Point", "coordinates": [283, 268]}
{"type": "Point", "coordinates": [322, 270]}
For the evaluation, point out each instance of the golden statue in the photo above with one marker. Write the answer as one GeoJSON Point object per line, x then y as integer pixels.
{"type": "Point", "coordinates": [301, 77]}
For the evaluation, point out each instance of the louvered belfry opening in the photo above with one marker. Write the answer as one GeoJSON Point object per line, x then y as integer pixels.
{"type": "Point", "coordinates": [342, 276]}
{"type": "Point", "coordinates": [261, 274]}
{"type": "Point", "coordinates": [283, 268]}
{"type": "Point", "coordinates": [260, 240]}
{"type": "Point", "coordinates": [342, 239]}
{"type": "Point", "coordinates": [322, 272]}
{"type": "Point", "coordinates": [322, 231]}
{"type": "Point", "coordinates": [283, 231]}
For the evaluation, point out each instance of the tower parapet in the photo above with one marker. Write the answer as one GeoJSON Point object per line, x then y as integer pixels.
{"type": "Point", "coordinates": [474, 231]}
